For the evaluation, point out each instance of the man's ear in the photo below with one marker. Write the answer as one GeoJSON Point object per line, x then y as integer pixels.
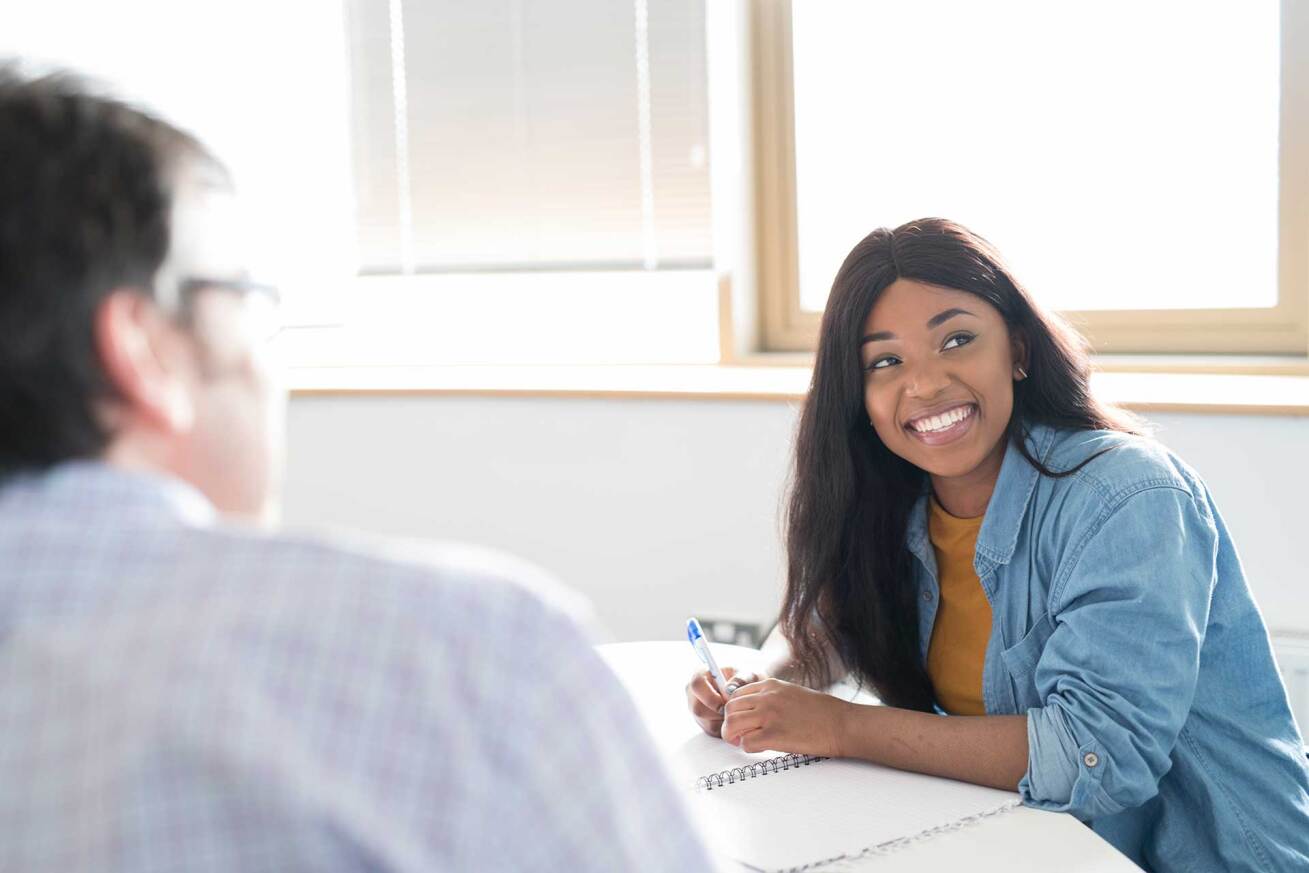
{"type": "Point", "coordinates": [144, 358]}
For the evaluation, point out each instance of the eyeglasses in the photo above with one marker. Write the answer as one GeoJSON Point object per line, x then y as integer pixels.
{"type": "Point", "coordinates": [187, 289]}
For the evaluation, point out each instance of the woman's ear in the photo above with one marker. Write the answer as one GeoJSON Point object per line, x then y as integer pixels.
{"type": "Point", "coordinates": [144, 358]}
{"type": "Point", "coordinates": [1018, 353]}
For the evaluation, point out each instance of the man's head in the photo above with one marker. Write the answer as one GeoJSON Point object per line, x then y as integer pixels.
{"type": "Point", "coordinates": [129, 328]}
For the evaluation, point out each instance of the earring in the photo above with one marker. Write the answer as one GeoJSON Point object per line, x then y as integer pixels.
{"type": "Point", "coordinates": [1022, 374]}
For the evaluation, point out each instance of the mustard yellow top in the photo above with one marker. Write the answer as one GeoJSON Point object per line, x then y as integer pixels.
{"type": "Point", "coordinates": [963, 615]}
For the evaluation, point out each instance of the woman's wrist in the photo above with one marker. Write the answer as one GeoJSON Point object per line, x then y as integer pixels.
{"type": "Point", "coordinates": [847, 728]}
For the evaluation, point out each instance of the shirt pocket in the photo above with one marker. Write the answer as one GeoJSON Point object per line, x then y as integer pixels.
{"type": "Point", "coordinates": [1020, 660]}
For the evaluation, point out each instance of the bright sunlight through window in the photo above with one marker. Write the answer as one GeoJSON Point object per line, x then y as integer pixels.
{"type": "Point", "coordinates": [1121, 154]}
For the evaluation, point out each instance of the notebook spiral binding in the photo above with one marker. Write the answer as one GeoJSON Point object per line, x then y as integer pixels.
{"type": "Point", "coordinates": [758, 768]}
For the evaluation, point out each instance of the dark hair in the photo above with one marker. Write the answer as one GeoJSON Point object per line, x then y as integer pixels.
{"type": "Point", "coordinates": [849, 574]}
{"type": "Point", "coordinates": [84, 208]}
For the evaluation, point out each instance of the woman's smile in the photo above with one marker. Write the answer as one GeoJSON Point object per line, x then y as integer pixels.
{"type": "Point", "coordinates": [942, 427]}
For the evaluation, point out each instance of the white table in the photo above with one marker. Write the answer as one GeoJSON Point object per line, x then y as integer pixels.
{"type": "Point", "coordinates": [655, 673]}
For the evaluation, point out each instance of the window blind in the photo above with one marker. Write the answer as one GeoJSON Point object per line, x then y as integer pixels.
{"type": "Point", "coordinates": [509, 135]}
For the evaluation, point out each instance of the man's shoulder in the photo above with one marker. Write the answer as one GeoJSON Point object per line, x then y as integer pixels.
{"type": "Point", "coordinates": [224, 609]}
{"type": "Point", "coordinates": [325, 564]}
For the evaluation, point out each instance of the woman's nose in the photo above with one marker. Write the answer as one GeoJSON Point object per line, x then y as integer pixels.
{"type": "Point", "coordinates": [926, 381]}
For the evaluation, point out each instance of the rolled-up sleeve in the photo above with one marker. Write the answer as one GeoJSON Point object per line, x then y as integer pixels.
{"type": "Point", "coordinates": [1118, 673]}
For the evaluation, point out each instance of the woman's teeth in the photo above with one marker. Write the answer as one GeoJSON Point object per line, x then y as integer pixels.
{"type": "Point", "coordinates": [942, 421]}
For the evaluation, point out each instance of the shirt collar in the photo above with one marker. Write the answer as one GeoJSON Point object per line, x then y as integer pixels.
{"type": "Point", "coordinates": [1013, 490]}
{"type": "Point", "coordinates": [1004, 512]}
{"type": "Point", "coordinates": [130, 496]}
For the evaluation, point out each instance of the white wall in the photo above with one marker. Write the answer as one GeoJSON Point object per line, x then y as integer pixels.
{"type": "Point", "coordinates": [657, 509]}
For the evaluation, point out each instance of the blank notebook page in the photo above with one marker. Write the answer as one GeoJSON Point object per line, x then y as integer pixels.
{"type": "Point", "coordinates": [831, 808]}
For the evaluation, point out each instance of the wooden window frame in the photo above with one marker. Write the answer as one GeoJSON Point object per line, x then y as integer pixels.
{"type": "Point", "coordinates": [1282, 330]}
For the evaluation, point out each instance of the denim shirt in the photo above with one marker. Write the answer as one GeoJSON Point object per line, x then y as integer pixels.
{"type": "Point", "coordinates": [1122, 626]}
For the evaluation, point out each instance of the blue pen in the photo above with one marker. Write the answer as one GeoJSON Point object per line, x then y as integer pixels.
{"type": "Point", "coordinates": [696, 637]}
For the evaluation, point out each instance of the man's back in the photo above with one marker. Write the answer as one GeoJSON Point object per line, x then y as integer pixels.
{"type": "Point", "coordinates": [186, 696]}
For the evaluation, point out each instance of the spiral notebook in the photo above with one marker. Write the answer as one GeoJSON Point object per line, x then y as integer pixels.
{"type": "Point", "coordinates": [798, 812]}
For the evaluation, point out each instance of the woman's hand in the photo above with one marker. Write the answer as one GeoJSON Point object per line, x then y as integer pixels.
{"type": "Point", "coordinates": [704, 701]}
{"type": "Point", "coordinates": [772, 714]}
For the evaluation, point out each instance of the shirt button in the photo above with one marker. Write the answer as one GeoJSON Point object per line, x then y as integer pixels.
{"type": "Point", "coordinates": [927, 595]}
{"type": "Point", "coordinates": [1090, 759]}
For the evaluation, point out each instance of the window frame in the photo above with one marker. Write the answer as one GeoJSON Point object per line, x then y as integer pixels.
{"type": "Point", "coordinates": [1282, 330]}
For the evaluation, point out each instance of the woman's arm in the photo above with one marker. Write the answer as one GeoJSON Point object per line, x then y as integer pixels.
{"type": "Point", "coordinates": [773, 714]}
{"type": "Point", "coordinates": [985, 749]}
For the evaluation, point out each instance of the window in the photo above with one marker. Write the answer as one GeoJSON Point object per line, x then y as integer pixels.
{"type": "Point", "coordinates": [430, 182]}
{"type": "Point", "coordinates": [508, 135]}
{"type": "Point", "coordinates": [531, 185]}
{"type": "Point", "coordinates": [1147, 180]}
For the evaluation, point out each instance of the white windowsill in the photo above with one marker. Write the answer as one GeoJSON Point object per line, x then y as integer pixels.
{"type": "Point", "coordinates": [1240, 394]}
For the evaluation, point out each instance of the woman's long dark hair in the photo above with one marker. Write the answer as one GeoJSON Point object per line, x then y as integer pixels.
{"type": "Point", "coordinates": [850, 586]}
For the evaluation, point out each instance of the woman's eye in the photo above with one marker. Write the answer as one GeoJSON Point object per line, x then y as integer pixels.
{"type": "Point", "coordinates": [957, 340]}
{"type": "Point", "coordinates": [883, 362]}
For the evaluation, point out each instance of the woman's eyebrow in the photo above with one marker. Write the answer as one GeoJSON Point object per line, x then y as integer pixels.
{"type": "Point", "coordinates": [942, 317]}
{"type": "Point", "coordinates": [936, 320]}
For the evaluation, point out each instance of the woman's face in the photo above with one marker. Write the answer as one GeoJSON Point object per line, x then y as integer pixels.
{"type": "Point", "coordinates": [939, 367]}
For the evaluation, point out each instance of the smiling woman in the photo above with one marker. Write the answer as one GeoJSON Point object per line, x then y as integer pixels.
{"type": "Point", "coordinates": [925, 323]}
{"type": "Point", "coordinates": [973, 534]}
{"type": "Point", "coordinates": [940, 392]}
